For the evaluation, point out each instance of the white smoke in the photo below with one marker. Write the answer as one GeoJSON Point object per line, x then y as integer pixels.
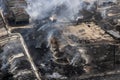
{"type": "Point", "coordinates": [9, 50]}
{"type": "Point", "coordinates": [44, 8]}
{"type": "Point", "coordinates": [64, 10]}
{"type": "Point", "coordinates": [39, 9]}
{"type": "Point", "coordinates": [1, 4]}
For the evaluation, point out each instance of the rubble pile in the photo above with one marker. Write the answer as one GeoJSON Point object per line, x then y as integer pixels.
{"type": "Point", "coordinates": [90, 44]}
{"type": "Point", "coordinates": [68, 40]}
{"type": "Point", "coordinates": [82, 46]}
{"type": "Point", "coordinates": [14, 11]}
{"type": "Point", "coordinates": [13, 60]}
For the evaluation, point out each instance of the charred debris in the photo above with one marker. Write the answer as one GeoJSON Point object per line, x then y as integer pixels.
{"type": "Point", "coordinates": [14, 11]}
{"type": "Point", "coordinates": [57, 45]}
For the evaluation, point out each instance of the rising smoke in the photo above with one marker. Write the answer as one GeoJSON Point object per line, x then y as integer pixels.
{"type": "Point", "coordinates": [65, 9]}
{"type": "Point", "coordinates": [0, 4]}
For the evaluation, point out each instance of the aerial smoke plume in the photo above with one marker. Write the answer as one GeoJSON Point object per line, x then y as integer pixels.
{"type": "Point", "coordinates": [65, 9]}
{"type": "Point", "coordinates": [1, 4]}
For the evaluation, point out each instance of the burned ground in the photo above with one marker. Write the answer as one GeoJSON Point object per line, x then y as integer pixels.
{"type": "Point", "coordinates": [83, 47]}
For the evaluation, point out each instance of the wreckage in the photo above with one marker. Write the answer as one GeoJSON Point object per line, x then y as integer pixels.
{"type": "Point", "coordinates": [84, 47]}
{"type": "Point", "coordinates": [15, 11]}
{"type": "Point", "coordinates": [91, 45]}
{"type": "Point", "coordinates": [14, 3]}
{"type": "Point", "coordinates": [15, 60]}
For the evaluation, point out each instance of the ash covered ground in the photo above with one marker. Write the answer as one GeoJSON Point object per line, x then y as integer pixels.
{"type": "Point", "coordinates": [73, 40]}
